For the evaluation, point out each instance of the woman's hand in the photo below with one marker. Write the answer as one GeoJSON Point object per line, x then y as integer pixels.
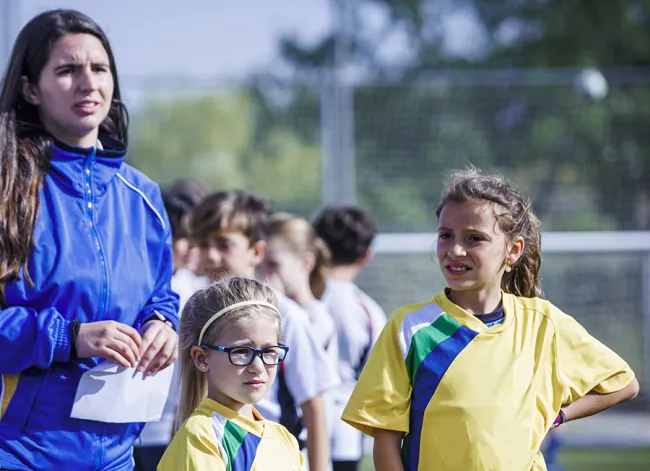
{"type": "Point", "coordinates": [110, 340]}
{"type": "Point", "coordinates": [159, 347]}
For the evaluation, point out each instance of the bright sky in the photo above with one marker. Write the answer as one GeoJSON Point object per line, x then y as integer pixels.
{"type": "Point", "coordinates": [224, 38]}
{"type": "Point", "coordinates": [220, 40]}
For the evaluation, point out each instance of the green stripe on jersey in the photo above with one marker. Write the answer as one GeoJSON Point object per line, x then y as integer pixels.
{"type": "Point", "coordinates": [426, 340]}
{"type": "Point", "coordinates": [233, 437]}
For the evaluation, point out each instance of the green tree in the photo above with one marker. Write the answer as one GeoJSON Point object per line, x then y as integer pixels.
{"type": "Point", "coordinates": [214, 137]}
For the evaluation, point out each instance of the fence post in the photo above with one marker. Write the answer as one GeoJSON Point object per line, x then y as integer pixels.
{"type": "Point", "coordinates": [337, 115]}
{"type": "Point", "coordinates": [645, 307]}
{"type": "Point", "coordinates": [337, 134]}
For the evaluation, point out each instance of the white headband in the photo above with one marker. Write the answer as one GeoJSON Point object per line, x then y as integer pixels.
{"type": "Point", "coordinates": [231, 308]}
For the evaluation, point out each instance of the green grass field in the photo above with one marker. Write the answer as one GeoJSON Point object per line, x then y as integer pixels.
{"type": "Point", "coordinates": [595, 459]}
{"type": "Point", "coordinates": [622, 459]}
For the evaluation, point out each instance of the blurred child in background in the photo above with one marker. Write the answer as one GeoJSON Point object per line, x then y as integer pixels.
{"type": "Point", "coordinates": [348, 233]}
{"type": "Point", "coordinates": [295, 264]}
{"type": "Point", "coordinates": [181, 197]}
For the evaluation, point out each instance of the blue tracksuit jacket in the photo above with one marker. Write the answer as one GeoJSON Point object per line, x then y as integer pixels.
{"type": "Point", "coordinates": [102, 251]}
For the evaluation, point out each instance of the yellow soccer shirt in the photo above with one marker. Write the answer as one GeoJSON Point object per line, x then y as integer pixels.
{"type": "Point", "coordinates": [471, 397]}
{"type": "Point", "coordinates": [216, 438]}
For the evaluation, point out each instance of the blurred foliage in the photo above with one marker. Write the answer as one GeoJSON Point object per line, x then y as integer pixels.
{"type": "Point", "coordinates": [584, 162]}
{"type": "Point", "coordinates": [213, 138]}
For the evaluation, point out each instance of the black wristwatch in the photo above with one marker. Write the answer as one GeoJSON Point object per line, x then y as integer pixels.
{"type": "Point", "coordinates": [156, 316]}
{"type": "Point", "coordinates": [74, 333]}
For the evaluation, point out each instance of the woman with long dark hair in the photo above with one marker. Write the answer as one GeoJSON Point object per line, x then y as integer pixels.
{"type": "Point", "coordinates": [85, 248]}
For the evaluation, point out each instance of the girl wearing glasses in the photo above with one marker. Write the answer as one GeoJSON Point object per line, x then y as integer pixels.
{"type": "Point", "coordinates": [229, 357]}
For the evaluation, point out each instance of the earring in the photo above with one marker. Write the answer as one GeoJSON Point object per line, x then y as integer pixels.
{"type": "Point", "coordinates": [508, 268]}
{"type": "Point", "coordinates": [203, 367]}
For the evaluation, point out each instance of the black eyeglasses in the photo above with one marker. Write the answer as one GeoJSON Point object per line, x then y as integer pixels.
{"type": "Point", "coordinates": [244, 356]}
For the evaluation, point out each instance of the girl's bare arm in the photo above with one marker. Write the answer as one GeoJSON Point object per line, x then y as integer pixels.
{"type": "Point", "coordinates": [387, 452]}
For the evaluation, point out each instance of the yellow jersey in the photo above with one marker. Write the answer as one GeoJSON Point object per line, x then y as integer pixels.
{"type": "Point", "coordinates": [473, 397]}
{"type": "Point", "coordinates": [217, 438]}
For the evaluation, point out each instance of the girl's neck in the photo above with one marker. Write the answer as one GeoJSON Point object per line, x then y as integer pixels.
{"type": "Point", "coordinates": [245, 410]}
{"type": "Point", "coordinates": [476, 302]}
{"type": "Point", "coordinates": [346, 273]}
{"type": "Point", "coordinates": [302, 295]}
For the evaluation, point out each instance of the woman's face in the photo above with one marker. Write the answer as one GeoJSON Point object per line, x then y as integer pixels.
{"type": "Point", "coordinates": [74, 90]}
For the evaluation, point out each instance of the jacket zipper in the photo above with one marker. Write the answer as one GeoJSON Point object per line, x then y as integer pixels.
{"type": "Point", "coordinates": [89, 198]}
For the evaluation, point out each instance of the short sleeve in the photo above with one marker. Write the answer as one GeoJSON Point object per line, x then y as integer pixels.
{"type": "Point", "coordinates": [584, 364]}
{"type": "Point", "coordinates": [382, 396]}
{"type": "Point", "coordinates": [296, 449]}
{"type": "Point", "coordinates": [192, 450]}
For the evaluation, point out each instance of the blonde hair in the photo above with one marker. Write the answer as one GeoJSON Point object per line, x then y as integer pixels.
{"type": "Point", "coordinates": [301, 237]}
{"type": "Point", "coordinates": [198, 310]}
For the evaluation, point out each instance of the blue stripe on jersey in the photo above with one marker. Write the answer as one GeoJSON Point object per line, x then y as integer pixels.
{"type": "Point", "coordinates": [427, 379]}
{"type": "Point", "coordinates": [246, 454]}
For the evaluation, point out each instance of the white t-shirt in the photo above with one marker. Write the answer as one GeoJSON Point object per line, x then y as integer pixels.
{"type": "Point", "coordinates": [185, 283]}
{"type": "Point", "coordinates": [324, 329]}
{"type": "Point", "coordinates": [306, 373]}
{"type": "Point", "coordinates": [358, 320]}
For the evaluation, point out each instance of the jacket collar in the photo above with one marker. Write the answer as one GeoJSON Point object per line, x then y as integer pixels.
{"type": "Point", "coordinates": [80, 169]}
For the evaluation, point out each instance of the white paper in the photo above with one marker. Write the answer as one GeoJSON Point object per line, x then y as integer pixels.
{"type": "Point", "coordinates": [111, 393]}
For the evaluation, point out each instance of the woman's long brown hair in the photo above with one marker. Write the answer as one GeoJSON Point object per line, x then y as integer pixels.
{"type": "Point", "coordinates": [24, 142]}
